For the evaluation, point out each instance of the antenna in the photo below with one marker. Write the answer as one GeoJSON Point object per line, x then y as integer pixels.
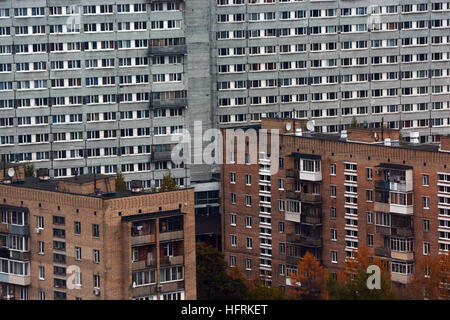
{"type": "Point", "coordinates": [11, 172]}
{"type": "Point", "coordinates": [310, 125]}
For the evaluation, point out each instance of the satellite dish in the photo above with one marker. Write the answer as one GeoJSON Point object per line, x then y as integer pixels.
{"type": "Point", "coordinates": [11, 172]}
{"type": "Point", "coordinates": [288, 126]}
{"type": "Point", "coordinates": [310, 125]}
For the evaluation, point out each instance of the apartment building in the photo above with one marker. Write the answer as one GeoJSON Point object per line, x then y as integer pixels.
{"type": "Point", "coordinates": [333, 194]}
{"type": "Point", "coordinates": [79, 238]}
{"type": "Point", "coordinates": [335, 62]}
{"type": "Point", "coordinates": [102, 86]}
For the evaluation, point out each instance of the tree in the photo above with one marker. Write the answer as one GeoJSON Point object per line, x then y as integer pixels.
{"type": "Point", "coordinates": [351, 282]}
{"type": "Point", "coordinates": [120, 181]}
{"type": "Point", "coordinates": [431, 279]}
{"type": "Point", "coordinates": [354, 123]}
{"type": "Point", "coordinates": [213, 281]}
{"type": "Point", "coordinates": [29, 170]}
{"type": "Point", "coordinates": [258, 290]}
{"type": "Point", "coordinates": [310, 279]}
{"type": "Point", "coordinates": [168, 183]}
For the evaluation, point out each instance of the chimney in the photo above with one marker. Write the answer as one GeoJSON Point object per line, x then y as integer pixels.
{"type": "Point", "coordinates": [414, 137]}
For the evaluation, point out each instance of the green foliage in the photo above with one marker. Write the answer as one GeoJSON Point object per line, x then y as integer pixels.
{"type": "Point", "coordinates": [213, 281]}
{"type": "Point", "coordinates": [259, 291]}
{"type": "Point", "coordinates": [354, 123]}
{"type": "Point", "coordinates": [168, 183]}
{"type": "Point", "coordinates": [357, 289]}
{"type": "Point", "coordinates": [120, 181]}
{"type": "Point", "coordinates": [29, 170]}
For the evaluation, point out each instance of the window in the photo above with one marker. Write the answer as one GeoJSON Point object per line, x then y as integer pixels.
{"type": "Point", "coordinates": [232, 219]}
{"type": "Point", "coordinates": [233, 198]}
{"type": "Point", "coordinates": [369, 195]}
{"type": "Point", "coordinates": [281, 205]}
{"type": "Point", "coordinates": [232, 177]}
{"type": "Point", "coordinates": [41, 247]}
{"type": "Point", "coordinates": [40, 222]}
{"type": "Point", "coordinates": [369, 217]}
{"type": "Point", "coordinates": [77, 226]}
{"type": "Point", "coordinates": [426, 225]}
{"type": "Point", "coordinates": [41, 273]}
{"type": "Point", "coordinates": [370, 240]}
{"type": "Point", "coordinates": [248, 222]}
{"type": "Point", "coordinates": [333, 213]}
{"type": "Point", "coordinates": [333, 234]}
{"type": "Point", "coordinates": [425, 179]}
{"type": "Point", "coordinates": [281, 227]}
{"type": "Point", "coordinates": [369, 173]}
{"type": "Point", "coordinates": [426, 248]}
{"type": "Point", "coordinates": [248, 179]}
{"type": "Point", "coordinates": [426, 202]}
{"type": "Point", "coordinates": [95, 230]}
{"type": "Point", "coordinates": [333, 191]}
{"type": "Point", "coordinates": [41, 295]}
{"type": "Point", "coordinates": [333, 169]}
{"type": "Point", "coordinates": [249, 243]}
{"type": "Point", "coordinates": [334, 258]}
{"type": "Point", "coordinates": [77, 253]}
{"type": "Point", "coordinates": [248, 200]}
{"type": "Point", "coordinates": [96, 281]}
{"type": "Point", "coordinates": [233, 240]}
{"type": "Point", "coordinates": [281, 184]}
{"type": "Point", "coordinates": [282, 248]}
{"type": "Point", "coordinates": [248, 264]}
{"type": "Point", "coordinates": [96, 255]}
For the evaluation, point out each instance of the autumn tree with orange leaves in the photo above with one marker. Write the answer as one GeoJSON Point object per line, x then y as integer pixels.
{"type": "Point", "coordinates": [309, 282]}
{"type": "Point", "coordinates": [431, 279]}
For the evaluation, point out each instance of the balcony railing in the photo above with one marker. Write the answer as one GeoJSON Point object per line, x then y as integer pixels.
{"type": "Point", "coordinates": [292, 173]}
{"type": "Point", "coordinates": [143, 264]}
{"type": "Point", "coordinates": [144, 291]}
{"type": "Point", "coordinates": [165, 50]}
{"type": "Point", "coordinates": [179, 102]}
{"type": "Point", "coordinates": [174, 235]}
{"type": "Point", "coordinates": [304, 197]}
{"type": "Point", "coordinates": [383, 252]}
{"type": "Point", "coordinates": [386, 231]}
{"type": "Point", "coordinates": [148, 238]}
{"type": "Point", "coordinates": [162, 155]}
{"type": "Point", "coordinates": [402, 232]}
{"type": "Point", "coordinates": [18, 255]}
{"type": "Point", "coordinates": [171, 261]}
{"type": "Point", "coordinates": [311, 219]}
{"type": "Point", "coordinates": [304, 240]}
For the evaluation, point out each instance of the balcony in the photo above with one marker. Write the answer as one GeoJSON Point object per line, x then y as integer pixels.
{"type": "Point", "coordinates": [402, 232]}
{"type": "Point", "coordinates": [171, 261]}
{"type": "Point", "coordinates": [383, 252]}
{"type": "Point", "coordinates": [401, 209]}
{"type": "Point", "coordinates": [162, 155]}
{"type": "Point", "coordinates": [385, 231]}
{"type": "Point", "coordinates": [310, 176]}
{"type": "Point", "coordinates": [172, 286]}
{"type": "Point", "coordinates": [19, 280]}
{"type": "Point", "coordinates": [180, 102]}
{"type": "Point", "coordinates": [304, 197]}
{"type": "Point", "coordinates": [143, 291]}
{"type": "Point", "coordinates": [148, 238]}
{"type": "Point", "coordinates": [19, 255]}
{"type": "Point", "coordinates": [294, 217]}
{"type": "Point", "coordinates": [407, 256]}
{"type": "Point", "coordinates": [310, 219]}
{"type": "Point", "coordinates": [168, 50]}
{"type": "Point", "coordinates": [292, 260]}
{"type": "Point", "coordinates": [174, 235]}
{"type": "Point", "coordinates": [143, 264]}
{"type": "Point", "coordinates": [292, 173]}
{"type": "Point", "coordinates": [400, 277]}
{"type": "Point", "coordinates": [303, 240]}
{"type": "Point", "coordinates": [19, 230]}
{"type": "Point", "coordinates": [381, 206]}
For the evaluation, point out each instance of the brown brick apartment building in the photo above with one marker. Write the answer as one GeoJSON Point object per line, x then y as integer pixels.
{"type": "Point", "coordinates": [79, 238]}
{"type": "Point", "coordinates": [332, 194]}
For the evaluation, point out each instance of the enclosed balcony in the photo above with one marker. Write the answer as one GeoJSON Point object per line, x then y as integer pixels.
{"type": "Point", "coordinates": [304, 197]}
{"type": "Point", "coordinates": [395, 177]}
{"type": "Point", "coordinates": [304, 240]}
{"type": "Point", "coordinates": [308, 166]}
{"type": "Point", "coordinates": [167, 46]}
{"type": "Point", "coordinates": [143, 232]}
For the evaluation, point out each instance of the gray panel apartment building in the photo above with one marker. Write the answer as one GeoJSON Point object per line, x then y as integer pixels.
{"type": "Point", "coordinates": [102, 85]}
{"type": "Point", "coordinates": [335, 62]}
{"type": "Point", "coordinates": [105, 84]}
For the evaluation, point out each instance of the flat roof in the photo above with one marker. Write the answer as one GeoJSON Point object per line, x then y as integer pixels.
{"type": "Point", "coordinates": [394, 166]}
{"type": "Point", "coordinates": [51, 185]}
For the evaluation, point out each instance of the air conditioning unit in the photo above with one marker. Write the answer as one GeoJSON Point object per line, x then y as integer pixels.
{"type": "Point", "coordinates": [38, 230]}
{"type": "Point", "coordinates": [96, 292]}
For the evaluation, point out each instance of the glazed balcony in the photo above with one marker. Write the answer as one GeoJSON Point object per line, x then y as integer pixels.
{"type": "Point", "coordinates": [402, 278]}
{"type": "Point", "coordinates": [304, 197]}
{"type": "Point", "coordinates": [292, 216]}
{"type": "Point", "coordinates": [383, 252]}
{"type": "Point", "coordinates": [407, 256]}
{"type": "Point", "coordinates": [20, 255]}
{"type": "Point", "coordinates": [304, 240]}
{"type": "Point", "coordinates": [168, 50]}
{"type": "Point", "coordinates": [171, 261]}
{"type": "Point", "coordinates": [178, 102]}
{"type": "Point", "coordinates": [143, 264]}
{"type": "Point", "coordinates": [383, 230]}
{"type": "Point", "coordinates": [162, 155]}
{"type": "Point", "coordinates": [173, 235]}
